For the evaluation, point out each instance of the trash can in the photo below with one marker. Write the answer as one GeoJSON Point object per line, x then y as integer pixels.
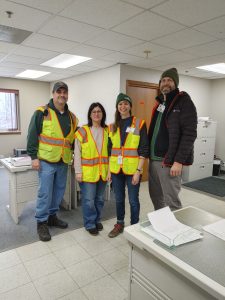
{"type": "Point", "coordinates": [216, 167]}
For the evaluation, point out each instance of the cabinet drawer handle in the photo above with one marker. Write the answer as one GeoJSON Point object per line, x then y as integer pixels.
{"type": "Point", "coordinates": [202, 167]}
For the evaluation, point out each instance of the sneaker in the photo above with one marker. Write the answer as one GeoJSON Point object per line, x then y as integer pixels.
{"type": "Point", "coordinates": [54, 221]}
{"type": "Point", "coordinates": [43, 232]}
{"type": "Point", "coordinates": [99, 226]}
{"type": "Point", "coordinates": [93, 231]}
{"type": "Point", "coordinates": [118, 228]}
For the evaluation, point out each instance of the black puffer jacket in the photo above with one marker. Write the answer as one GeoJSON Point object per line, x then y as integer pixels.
{"type": "Point", "coordinates": [181, 123]}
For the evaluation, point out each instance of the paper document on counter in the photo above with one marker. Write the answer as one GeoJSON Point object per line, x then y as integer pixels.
{"type": "Point", "coordinates": [168, 230]}
{"type": "Point", "coordinates": [217, 229]}
{"type": "Point", "coordinates": [21, 161]}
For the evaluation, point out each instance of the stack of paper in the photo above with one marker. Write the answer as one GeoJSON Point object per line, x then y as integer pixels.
{"type": "Point", "coordinates": [21, 161]}
{"type": "Point", "coordinates": [168, 230]}
{"type": "Point", "coordinates": [217, 229]}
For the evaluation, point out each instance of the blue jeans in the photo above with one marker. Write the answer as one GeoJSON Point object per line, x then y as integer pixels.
{"type": "Point", "coordinates": [52, 185]}
{"type": "Point", "coordinates": [119, 182]}
{"type": "Point", "coordinates": [92, 197]}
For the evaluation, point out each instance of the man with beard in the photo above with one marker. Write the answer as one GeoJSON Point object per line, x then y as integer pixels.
{"type": "Point", "coordinates": [172, 132]}
{"type": "Point", "coordinates": [50, 143]}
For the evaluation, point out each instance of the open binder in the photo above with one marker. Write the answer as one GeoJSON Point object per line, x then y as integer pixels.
{"type": "Point", "coordinates": [165, 228]}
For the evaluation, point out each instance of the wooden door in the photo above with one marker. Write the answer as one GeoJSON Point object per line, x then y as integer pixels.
{"type": "Point", "coordinates": [143, 100]}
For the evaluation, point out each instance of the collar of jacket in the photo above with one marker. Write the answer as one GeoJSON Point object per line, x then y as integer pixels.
{"type": "Point", "coordinates": [52, 106]}
{"type": "Point", "coordinates": [169, 97]}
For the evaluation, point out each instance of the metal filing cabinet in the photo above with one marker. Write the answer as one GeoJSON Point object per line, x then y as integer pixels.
{"type": "Point", "coordinates": [204, 149]}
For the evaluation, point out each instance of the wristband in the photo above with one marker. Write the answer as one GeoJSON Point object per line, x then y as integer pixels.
{"type": "Point", "coordinates": [138, 170]}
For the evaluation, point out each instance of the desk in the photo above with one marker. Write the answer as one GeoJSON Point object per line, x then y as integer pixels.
{"type": "Point", "coordinates": [23, 185]}
{"type": "Point", "coordinates": [191, 271]}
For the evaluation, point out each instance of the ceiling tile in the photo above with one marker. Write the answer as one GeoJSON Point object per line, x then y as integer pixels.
{"type": "Point", "coordinates": [99, 63]}
{"type": "Point", "coordinates": [215, 27]}
{"type": "Point", "coordinates": [147, 63]}
{"type": "Point", "coordinates": [113, 41]}
{"type": "Point", "coordinates": [23, 17]}
{"type": "Point", "coordinates": [49, 43]}
{"type": "Point", "coordinates": [148, 26]}
{"type": "Point", "coordinates": [69, 29]}
{"type": "Point", "coordinates": [34, 52]}
{"type": "Point", "coordinates": [52, 6]}
{"type": "Point", "coordinates": [118, 57]}
{"type": "Point", "coordinates": [191, 12]}
{"type": "Point", "coordinates": [89, 51]}
{"type": "Point", "coordinates": [184, 39]}
{"type": "Point", "coordinates": [103, 13]}
{"type": "Point", "coordinates": [23, 59]}
{"type": "Point", "coordinates": [7, 47]}
{"type": "Point", "coordinates": [175, 57]}
{"type": "Point", "coordinates": [209, 49]}
{"type": "Point", "coordinates": [155, 50]}
{"type": "Point", "coordinates": [144, 3]}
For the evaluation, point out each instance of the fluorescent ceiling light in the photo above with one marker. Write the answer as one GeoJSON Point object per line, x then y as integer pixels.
{"type": "Point", "coordinates": [64, 61]}
{"type": "Point", "coordinates": [217, 68]}
{"type": "Point", "coordinates": [32, 74]}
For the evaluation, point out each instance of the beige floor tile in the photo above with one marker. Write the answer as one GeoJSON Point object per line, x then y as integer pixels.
{"type": "Point", "coordinates": [25, 292]}
{"type": "Point", "coordinates": [77, 295]}
{"type": "Point", "coordinates": [13, 277]}
{"type": "Point", "coordinates": [117, 241]}
{"type": "Point", "coordinates": [125, 249]}
{"type": "Point", "coordinates": [8, 259]}
{"type": "Point", "coordinates": [105, 288]}
{"type": "Point", "coordinates": [43, 266]}
{"type": "Point", "coordinates": [112, 260]}
{"type": "Point", "coordinates": [55, 285]}
{"type": "Point", "coordinates": [122, 277]}
{"type": "Point", "coordinates": [85, 272]}
{"type": "Point", "coordinates": [81, 235]}
{"type": "Point", "coordinates": [71, 255]}
{"type": "Point", "coordinates": [96, 245]}
{"type": "Point", "coordinates": [61, 241]}
{"type": "Point", "coordinates": [32, 251]}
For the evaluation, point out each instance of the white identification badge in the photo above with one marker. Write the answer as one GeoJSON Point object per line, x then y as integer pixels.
{"type": "Point", "coordinates": [120, 159]}
{"type": "Point", "coordinates": [161, 108]}
{"type": "Point", "coordinates": [130, 129]}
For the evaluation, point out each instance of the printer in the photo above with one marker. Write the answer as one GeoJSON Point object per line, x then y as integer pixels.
{"type": "Point", "coordinates": [17, 152]}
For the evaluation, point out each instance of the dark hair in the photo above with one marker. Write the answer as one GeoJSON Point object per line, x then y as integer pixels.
{"type": "Point", "coordinates": [117, 119]}
{"type": "Point", "coordinates": [92, 106]}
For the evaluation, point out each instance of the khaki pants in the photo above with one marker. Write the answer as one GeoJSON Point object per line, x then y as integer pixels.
{"type": "Point", "coordinates": [163, 188]}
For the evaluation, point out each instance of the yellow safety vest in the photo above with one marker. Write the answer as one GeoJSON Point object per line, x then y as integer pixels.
{"type": "Point", "coordinates": [53, 146]}
{"type": "Point", "coordinates": [125, 157]}
{"type": "Point", "coordinates": [94, 164]}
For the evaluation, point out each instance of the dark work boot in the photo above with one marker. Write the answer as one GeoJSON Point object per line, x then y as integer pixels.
{"type": "Point", "coordinates": [54, 221]}
{"type": "Point", "coordinates": [43, 232]}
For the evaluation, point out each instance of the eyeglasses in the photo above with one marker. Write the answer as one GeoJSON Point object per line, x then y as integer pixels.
{"type": "Point", "coordinates": [96, 112]}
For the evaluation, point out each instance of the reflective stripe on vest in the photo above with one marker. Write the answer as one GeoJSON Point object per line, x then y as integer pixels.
{"type": "Point", "coordinates": [53, 146]}
{"type": "Point", "coordinates": [130, 157]}
{"type": "Point", "coordinates": [54, 141]}
{"type": "Point", "coordinates": [94, 164]}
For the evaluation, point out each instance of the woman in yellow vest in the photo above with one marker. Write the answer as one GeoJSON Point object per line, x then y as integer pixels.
{"type": "Point", "coordinates": [91, 166]}
{"type": "Point", "coordinates": [128, 148]}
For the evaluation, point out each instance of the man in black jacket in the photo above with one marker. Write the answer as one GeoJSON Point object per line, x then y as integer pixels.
{"type": "Point", "coordinates": [172, 132]}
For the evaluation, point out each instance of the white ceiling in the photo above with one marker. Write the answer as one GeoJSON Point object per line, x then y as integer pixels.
{"type": "Point", "coordinates": [179, 33]}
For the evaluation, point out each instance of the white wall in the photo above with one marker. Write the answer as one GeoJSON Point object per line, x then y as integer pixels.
{"type": "Point", "coordinates": [218, 114]}
{"type": "Point", "coordinates": [199, 89]}
{"type": "Point", "coordinates": [98, 86]}
{"type": "Point", "coordinates": [31, 95]}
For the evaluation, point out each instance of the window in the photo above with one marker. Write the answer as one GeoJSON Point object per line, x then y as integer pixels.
{"type": "Point", "coordinates": [9, 111]}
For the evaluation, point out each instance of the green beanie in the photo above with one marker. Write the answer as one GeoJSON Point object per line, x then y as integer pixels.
{"type": "Point", "coordinates": [122, 97]}
{"type": "Point", "coordinates": [172, 73]}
